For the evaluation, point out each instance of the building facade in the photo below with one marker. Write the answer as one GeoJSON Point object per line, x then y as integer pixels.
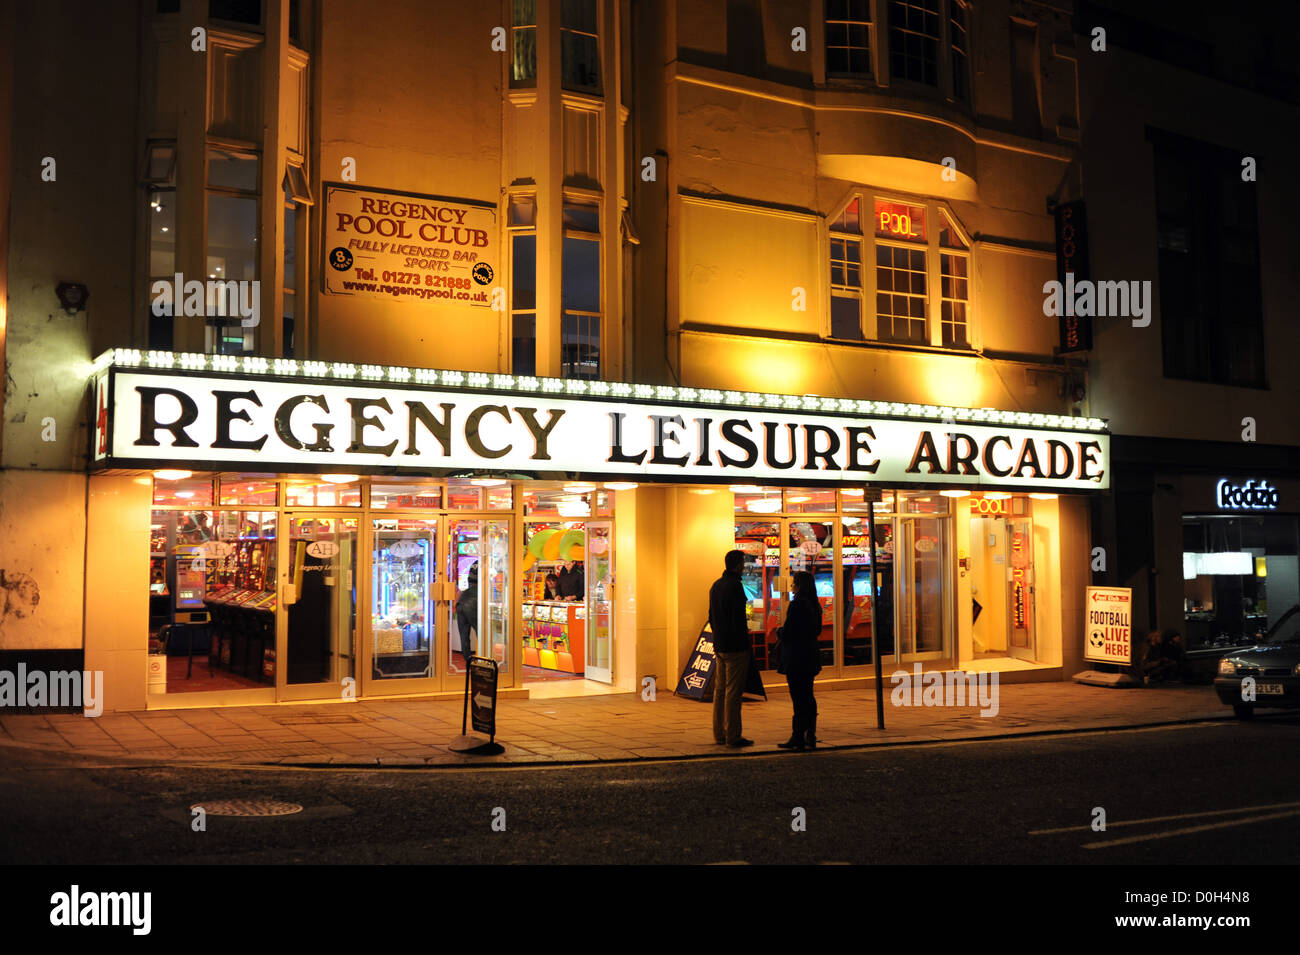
{"type": "Point", "coordinates": [345, 339]}
{"type": "Point", "coordinates": [1202, 521]}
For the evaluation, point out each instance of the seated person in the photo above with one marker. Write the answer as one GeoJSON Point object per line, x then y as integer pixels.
{"type": "Point", "coordinates": [1174, 652]}
{"type": "Point", "coordinates": [552, 587]}
{"type": "Point", "coordinates": [1156, 666]}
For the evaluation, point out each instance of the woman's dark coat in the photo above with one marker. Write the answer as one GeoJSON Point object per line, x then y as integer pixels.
{"type": "Point", "coordinates": [800, 653]}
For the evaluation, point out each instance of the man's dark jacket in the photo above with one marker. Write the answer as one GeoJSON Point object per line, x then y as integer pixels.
{"type": "Point", "coordinates": [727, 614]}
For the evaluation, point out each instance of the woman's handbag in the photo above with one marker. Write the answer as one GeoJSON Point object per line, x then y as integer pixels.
{"type": "Point", "coordinates": [778, 650]}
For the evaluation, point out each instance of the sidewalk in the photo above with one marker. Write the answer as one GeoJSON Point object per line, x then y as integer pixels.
{"type": "Point", "coordinates": [586, 729]}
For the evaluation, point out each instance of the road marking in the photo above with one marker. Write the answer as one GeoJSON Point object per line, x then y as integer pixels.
{"type": "Point", "coordinates": [1191, 829]}
{"type": "Point", "coordinates": [1186, 815]}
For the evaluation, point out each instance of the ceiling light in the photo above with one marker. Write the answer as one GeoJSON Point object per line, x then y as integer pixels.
{"type": "Point", "coordinates": [487, 482]}
{"type": "Point", "coordinates": [1043, 497]}
{"type": "Point", "coordinates": [764, 505]}
{"type": "Point", "coordinates": [746, 489]}
{"type": "Point", "coordinates": [171, 474]}
{"type": "Point", "coordinates": [996, 496]}
{"type": "Point", "coordinates": [340, 478]}
{"type": "Point", "coordinates": [851, 491]}
{"type": "Point", "coordinates": [798, 499]}
{"type": "Point", "coordinates": [955, 493]}
{"type": "Point", "coordinates": [184, 493]}
{"type": "Point", "coordinates": [620, 485]}
{"type": "Point", "coordinates": [580, 488]}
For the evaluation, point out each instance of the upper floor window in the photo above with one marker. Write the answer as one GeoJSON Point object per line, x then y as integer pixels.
{"type": "Point", "coordinates": [924, 42]}
{"type": "Point", "coordinates": [522, 225]}
{"type": "Point", "coordinates": [848, 37]}
{"type": "Point", "coordinates": [159, 181]}
{"type": "Point", "coordinates": [1211, 312]}
{"type": "Point", "coordinates": [580, 292]}
{"type": "Point", "coordinates": [959, 44]}
{"type": "Point", "coordinates": [523, 44]}
{"type": "Point", "coordinates": [233, 227]}
{"type": "Point", "coordinates": [914, 40]}
{"type": "Point", "coordinates": [580, 46]}
{"type": "Point", "coordinates": [920, 269]}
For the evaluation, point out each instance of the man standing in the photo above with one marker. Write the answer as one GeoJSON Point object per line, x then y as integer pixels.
{"type": "Point", "coordinates": [731, 649]}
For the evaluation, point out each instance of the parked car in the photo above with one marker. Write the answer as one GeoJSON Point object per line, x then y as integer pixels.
{"type": "Point", "coordinates": [1274, 665]}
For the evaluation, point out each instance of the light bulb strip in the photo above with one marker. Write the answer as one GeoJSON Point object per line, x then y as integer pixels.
{"type": "Point", "coordinates": [255, 365]}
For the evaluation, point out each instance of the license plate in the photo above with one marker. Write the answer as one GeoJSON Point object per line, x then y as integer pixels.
{"type": "Point", "coordinates": [1269, 689]}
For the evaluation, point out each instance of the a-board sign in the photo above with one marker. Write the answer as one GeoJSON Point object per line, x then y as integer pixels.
{"type": "Point", "coordinates": [483, 695]}
{"type": "Point", "coordinates": [696, 681]}
{"type": "Point", "coordinates": [1108, 625]}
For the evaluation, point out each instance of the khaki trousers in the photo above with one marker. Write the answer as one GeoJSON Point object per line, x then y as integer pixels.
{"type": "Point", "coordinates": [728, 687]}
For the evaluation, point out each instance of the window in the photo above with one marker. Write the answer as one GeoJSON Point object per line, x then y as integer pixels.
{"type": "Point", "coordinates": [921, 269]}
{"type": "Point", "coordinates": [848, 37]}
{"type": "Point", "coordinates": [900, 294]}
{"type": "Point", "coordinates": [914, 40]}
{"type": "Point", "coordinates": [236, 11]}
{"type": "Point", "coordinates": [954, 276]}
{"type": "Point", "coordinates": [232, 233]}
{"type": "Point", "coordinates": [160, 218]}
{"type": "Point", "coordinates": [523, 44]}
{"type": "Point", "coordinates": [1211, 316]}
{"type": "Point", "coordinates": [846, 274]}
{"type": "Point", "coordinates": [580, 46]}
{"type": "Point", "coordinates": [958, 43]}
{"type": "Point", "coordinates": [522, 227]}
{"type": "Point", "coordinates": [296, 194]}
{"type": "Point", "coordinates": [580, 292]}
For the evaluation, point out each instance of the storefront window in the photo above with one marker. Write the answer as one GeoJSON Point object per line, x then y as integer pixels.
{"type": "Point", "coordinates": [403, 617]}
{"type": "Point", "coordinates": [398, 496]}
{"type": "Point", "coordinates": [810, 500]}
{"type": "Point", "coordinates": [240, 491]}
{"type": "Point", "coordinates": [751, 499]}
{"type": "Point", "coordinates": [212, 600]}
{"type": "Point", "coordinates": [852, 501]}
{"type": "Point", "coordinates": [320, 493]}
{"type": "Point", "coordinates": [188, 492]}
{"type": "Point", "coordinates": [1240, 576]}
{"type": "Point", "coordinates": [478, 494]}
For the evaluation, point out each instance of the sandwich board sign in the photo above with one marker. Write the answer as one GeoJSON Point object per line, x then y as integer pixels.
{"type": "Point", "coordinates": [697, 679]}
{"type": "Point", "coordinates": [1108, 625]}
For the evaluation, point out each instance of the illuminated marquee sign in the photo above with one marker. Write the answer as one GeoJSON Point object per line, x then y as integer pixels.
{"type": "Point", "coordinates": [1251, 496]}
{"type": "Point", "coordinates": [898, 220]}
{"type": "Point", "coordinates": [216, 419]}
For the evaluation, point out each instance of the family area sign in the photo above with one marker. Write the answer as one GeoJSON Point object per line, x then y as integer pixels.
{"type": "Point", "coordinates": [315, 423]}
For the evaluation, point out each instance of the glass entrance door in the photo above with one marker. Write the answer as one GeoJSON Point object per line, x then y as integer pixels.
{"type": "Point", "coordinates": [1020, 588]}
{"type": "Point", "coordinates": [599, 553]}
{"type": "Point", "coordinates": [478, 615]}
{"type": "Point", "coordinates": [920, 589]}
{"type": "Point", "coordinates": [317, 623]}
{"type": "Point", "coordinates": [407, 599]}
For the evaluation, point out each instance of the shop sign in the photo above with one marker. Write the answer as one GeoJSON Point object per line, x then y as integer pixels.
{"type": "Point", "coordinates": [988, 505]}
{"type": "Point", "coordinates": [1251, 496]}
{"type": "Point", "coordinates": [1072, 259]}
{"type": "Point", "coordinates": [210, 420]}
{"type": "Point", "coordinates": [483, 695]}
{"type": "Point", "coordinates": [1108, 625]}
{"type": "Point", "coordinates": [696, 681]}
{"type": "Point", "coordinates": [408, 247]}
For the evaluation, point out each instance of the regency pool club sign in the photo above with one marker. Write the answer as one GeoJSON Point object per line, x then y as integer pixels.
{"type": "Point", "coordinates": [150, 418]}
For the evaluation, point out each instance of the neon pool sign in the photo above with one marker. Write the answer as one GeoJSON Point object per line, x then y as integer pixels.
{"type": "Point", "coordinates": [898, 220]}
{"type": "Point", "coordinates": [1253, 496]}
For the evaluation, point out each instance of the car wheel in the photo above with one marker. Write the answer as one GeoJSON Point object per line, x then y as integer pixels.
{"type": "Point", "coordinates": [1243, 711]}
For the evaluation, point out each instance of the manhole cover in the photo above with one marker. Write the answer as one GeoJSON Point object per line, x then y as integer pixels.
{"type": "Point", "coordinates": [247, 807]}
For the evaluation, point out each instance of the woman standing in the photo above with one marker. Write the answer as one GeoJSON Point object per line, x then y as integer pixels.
{"type": "Point", "coordinates": [801, 660]}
